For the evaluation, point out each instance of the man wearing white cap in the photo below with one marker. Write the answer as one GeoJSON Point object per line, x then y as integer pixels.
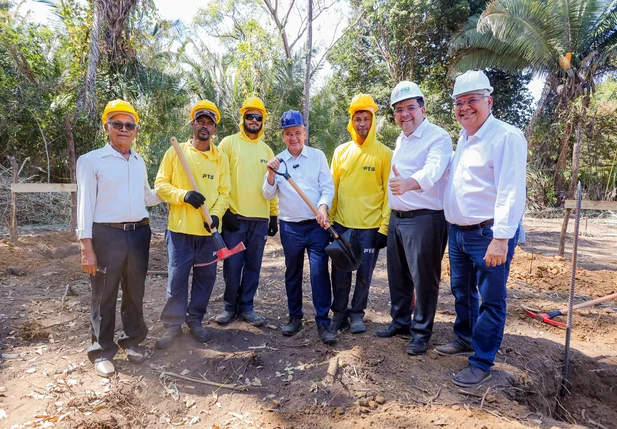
{"type": "Point", "coordinates": [484, 202]}
{"type": "Point", "coordinates": [417, 232]}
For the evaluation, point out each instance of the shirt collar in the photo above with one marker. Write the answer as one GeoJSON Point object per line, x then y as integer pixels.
{"type": "Point", "coordinates": [482, 129]}
{"type": "Point", "coordinates": [286, 155]}
{"type": "Point", "coordinates": [108, 150]}
{"type": "Point", "coordinates": [212, 153]}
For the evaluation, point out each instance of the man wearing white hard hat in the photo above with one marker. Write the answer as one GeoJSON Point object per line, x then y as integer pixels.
{"type": "Point", "coordinates": [484, 202]}
{"type": "Point", "coordinates": [417, 232]}
{"type": "Point", "coordinates": [113, 228]}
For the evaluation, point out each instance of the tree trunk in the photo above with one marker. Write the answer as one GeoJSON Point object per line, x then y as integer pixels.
{"type": "Point", "coordinates": [532, 122]}
{"type": "Point", "coordinates": [13, 224]}
{"type": "Point", "coordinates": [558, 179]}
{"type": "Point", "coordinates": [70, 144]}
{"type": "Point", "coordinates": [307, 75]}
{"type": "Point", "coordinates": [576, 156]}
{"type": "Point", "coordinates": [86, 100]}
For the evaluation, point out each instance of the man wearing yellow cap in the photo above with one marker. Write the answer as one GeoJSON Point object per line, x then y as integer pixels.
{"type": "Point", "coordinates": [188, 237]}
{"type": "Point", "coordinates": [113, 227]}
{"type": "Point", "coordinates": [360, 169]}
{"type": "Point", "coordinates": [250, 218]}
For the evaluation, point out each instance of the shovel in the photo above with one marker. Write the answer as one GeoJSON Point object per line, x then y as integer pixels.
{"type": "Point", "coordinates": [548, 317]}
{"type": "Point", "coordinates": [346, 250]}
{"type": "Point", "coordinates": [222, 252]}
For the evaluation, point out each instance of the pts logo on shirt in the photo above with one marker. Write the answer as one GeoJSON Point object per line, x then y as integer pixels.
{"type": "Point", "coordinates": [208, 176]}
{"type": "Point", "coordinates": [368, 168]}
{"type": "Point", "coordinates": [264, 161]}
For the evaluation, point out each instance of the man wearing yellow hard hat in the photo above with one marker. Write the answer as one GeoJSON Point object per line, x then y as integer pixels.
{"type": "Point", "coordinates": [418, 230]}
{"type": "Point", "coordinates": [360, 169]}
{"type": "Point", "coordinates": [113, 227]}
{"type": "Point", "coordinates": [188, 238]}
{"type": "Point", "coordinates": [250, 218]}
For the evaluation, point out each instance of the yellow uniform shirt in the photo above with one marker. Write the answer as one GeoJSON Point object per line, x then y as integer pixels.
{"type": "Point", "coordinates": [247, 165]}
{"type": "Point", "coordinates": [211, 172]}
{"type": "Point", "coordinates": [360, 174]}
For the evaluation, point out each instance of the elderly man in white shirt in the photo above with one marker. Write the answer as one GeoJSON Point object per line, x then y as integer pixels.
{"type": "Point", "coordinates": [300, 230]}
{"type": "Point", "coordinates": [484, 202]}
{"type": "Point", "coordinates": [418, 231]}
{"type": "Point", "coordinates": [113, 228]}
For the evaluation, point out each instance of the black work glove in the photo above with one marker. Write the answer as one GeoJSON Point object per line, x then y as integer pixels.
{"type": "Point", "coordinates": [213, 225]}
{"type": "Point", "coordinates": [230, 221]}
{"type": "Point", "coordinates": [381, 241]}
{"type": "Point", "coordinates": [273, 227]}
{"type": "Point", "coordinates": [194, 198]}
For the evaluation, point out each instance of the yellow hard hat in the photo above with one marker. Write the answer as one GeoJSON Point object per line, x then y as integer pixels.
{"type": "Point", "coordinates": [253, 103]}
{"type": "Point", "coordinates": [206, 105]}
{"type": "Point", "coordinates": [362, 102]}
{"type": "Point", "coordinates": [119, 106]}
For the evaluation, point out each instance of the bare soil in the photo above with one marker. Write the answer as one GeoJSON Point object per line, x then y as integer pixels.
{"type": "Point", "coordinates": [46, 379]}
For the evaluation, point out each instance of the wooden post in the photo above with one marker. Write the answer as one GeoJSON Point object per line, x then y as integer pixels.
{"type": "Point", "coordinates": [70, 143]}
{"type": "Point", "coordinates": [13, 225]}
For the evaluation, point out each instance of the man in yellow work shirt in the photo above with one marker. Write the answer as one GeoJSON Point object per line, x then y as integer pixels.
{"type": "Point", "coordinates": [250, 218]}
{"type": "Point", "coordinates": [188, 237]}
{"type": "Point", "coordinates": [360, 169]}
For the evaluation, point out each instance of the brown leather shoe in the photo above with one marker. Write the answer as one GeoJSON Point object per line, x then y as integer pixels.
{"type": "Point", "coordinates": [104, 368]}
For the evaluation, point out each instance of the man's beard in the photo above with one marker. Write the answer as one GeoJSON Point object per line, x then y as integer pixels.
{"type": "Point", "coordinates": [253, 129]}
{"type": "Point", "coordinates": [200, 135]}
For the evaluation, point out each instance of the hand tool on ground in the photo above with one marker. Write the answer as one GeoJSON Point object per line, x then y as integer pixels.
{"type": "Point", "coordinates": [548, 316]}
{"type": "Point", "coordinates": [222, 252]}
{"type": "Point", "coordinates": [566, 358]}
{"type": "Point", "coordinates": [346, 250]}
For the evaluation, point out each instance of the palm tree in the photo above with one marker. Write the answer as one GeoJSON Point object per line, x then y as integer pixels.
{"type": "Point", "coordinates": [571, 43]}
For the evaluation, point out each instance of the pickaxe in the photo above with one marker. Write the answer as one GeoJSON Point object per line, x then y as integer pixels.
{"type": "Point", "coordinates": [222, 252]}
{"type": "Point", "coordinates": [548, 317]}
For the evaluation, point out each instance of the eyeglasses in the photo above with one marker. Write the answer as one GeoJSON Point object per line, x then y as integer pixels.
{"type": "Point", "coordinates": [408, 109]}
{"type": "Point", "coordinates": [253, 116]}
{"type": "Point", "coordinates": [471, 102]}
{"type": "Point", "coordinates": [117, 125]}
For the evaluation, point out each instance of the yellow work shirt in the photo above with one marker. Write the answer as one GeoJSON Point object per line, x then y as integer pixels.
{"type": "Point", "coordinates": [247, 166]}
{"type": "Point", "coordinates": [211, 172]}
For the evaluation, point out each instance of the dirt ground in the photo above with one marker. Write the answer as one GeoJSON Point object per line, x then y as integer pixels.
{"type": "Point", "coordinates": [248, 377]}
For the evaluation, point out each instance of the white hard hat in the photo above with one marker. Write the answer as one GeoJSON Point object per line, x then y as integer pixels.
{"type": "Point", "coordinates": [472, 81]}
{"type": "Point", "coordinates": [404, 91]}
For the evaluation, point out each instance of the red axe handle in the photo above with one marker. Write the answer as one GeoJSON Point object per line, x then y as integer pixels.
{"type": "Point", "coordinates": [187, 170]}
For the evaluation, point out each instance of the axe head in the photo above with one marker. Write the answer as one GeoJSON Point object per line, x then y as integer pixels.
{"type": "Point", "coordinates": [542, 317]}
{"type": "Point", "coordinates": [224, 253]}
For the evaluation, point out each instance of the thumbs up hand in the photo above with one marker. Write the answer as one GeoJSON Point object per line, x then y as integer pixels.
{"type": "Point", "coordinates": [399, 185]}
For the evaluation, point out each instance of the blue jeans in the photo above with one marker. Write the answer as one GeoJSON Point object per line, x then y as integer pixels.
{"type": "Point", "coordinates": [478, 325]}
{"type": "Point", "coordinates": [241, 271]}
{"type": "Point", "coordinates": [296, 237]}
{"type": "Point", "coordinates": [183, 251]}
{"type": "Point", "coordinates": [341, 280]}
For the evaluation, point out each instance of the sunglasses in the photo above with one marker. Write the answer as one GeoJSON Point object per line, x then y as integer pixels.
{"type": "Point", "coordinates": [255, 116]}
{"type": "Point", "coordinates": [117, 125]}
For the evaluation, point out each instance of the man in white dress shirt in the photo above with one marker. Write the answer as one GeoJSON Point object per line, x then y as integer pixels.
{"type": "Point", "coordinates": [300, 230]}
{"type": "Point", "coordinates": [484, 202]}
{"type": "Point", "coordinates": [418, 231]}
{"type": "Point", "coordinates": [113, 228]}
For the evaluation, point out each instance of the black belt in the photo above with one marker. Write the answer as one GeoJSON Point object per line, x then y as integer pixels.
{"type": "Point", "coordinates": [128, 226]}
{"type": "Point", "coordinates": [414, 213]}
{"type": "Point", "coordinates": [480, 225]}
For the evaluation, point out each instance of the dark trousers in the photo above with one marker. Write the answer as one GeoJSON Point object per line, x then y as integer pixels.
{"type": "Point", "coordinates": [479, 326]}
{"type": "Point", "coordinates": [123, 255]}
{"type": "Point", "coordinates": [296, 238]}
{"type": "Point", "coordinates": [183, 251]}
{"type": "Point", "coordinates": [341, 280]}
{"type": "Point", "coordinates": [241, 271]}
{"type": "Point", "coordinates": [415, 249]}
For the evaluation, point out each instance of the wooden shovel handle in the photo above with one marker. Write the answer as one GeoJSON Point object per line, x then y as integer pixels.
{"type": "Point", "coordinates": [590, 303]}
{"type": "Point", "coordinates": [309, 203]}
{"type": "Point", "coordinates": [187, 170]}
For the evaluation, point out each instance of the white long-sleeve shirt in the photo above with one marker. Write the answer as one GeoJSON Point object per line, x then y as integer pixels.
{"type": "Point", "coordinates": [424, 155]}
{"type": "Point", "coordinates": [111, 189]}
{"type": "Point", "coordinates": [488, 178]}
{"type": "Point", "coordinates": [311, 173]}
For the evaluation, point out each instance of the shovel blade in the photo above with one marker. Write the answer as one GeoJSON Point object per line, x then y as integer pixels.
{"type": "Point", "coordinates": [346, 251]}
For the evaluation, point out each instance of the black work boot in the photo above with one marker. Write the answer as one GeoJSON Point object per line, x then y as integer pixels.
{"type": "Point", "coordinates": [171, 333]}
{"type": "Point", "coordinates": [357, 325]}
{"type": "Point", "coordinates": [199, 333]}
{"type": "Point", "coordinates": [470, 377]}
{"type": "Point", "coordinates": [293, 327]}
{"type": "Point", "coordinates": [339, 322]}
{"type": "Point", "coordinates": [326, 335]}
{"type": "Point", "coordinates": [454, 348]}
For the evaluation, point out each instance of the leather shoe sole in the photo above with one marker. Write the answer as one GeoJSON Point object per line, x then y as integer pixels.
{"type": "Point", "coordinates": [391, 332]}
{"type": "Point", "coordinates": [134, 355]}
{"type": "Point", "coordinates": [104, 368]}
